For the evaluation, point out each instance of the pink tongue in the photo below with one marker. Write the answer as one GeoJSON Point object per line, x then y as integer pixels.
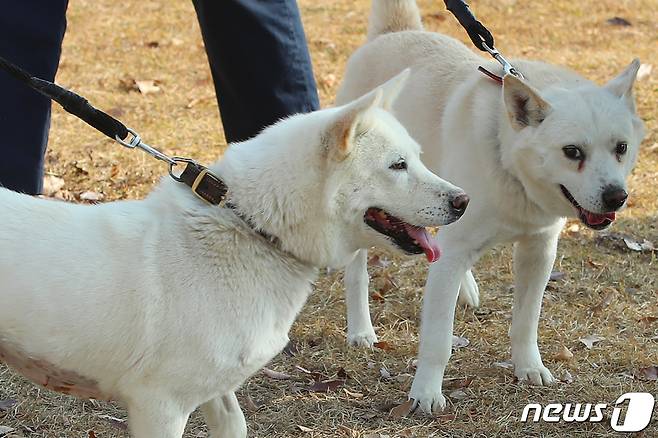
{"type": "Point", "coordinates": [429, 245]}
{"type": "Point", "coordinates": [596, 219]}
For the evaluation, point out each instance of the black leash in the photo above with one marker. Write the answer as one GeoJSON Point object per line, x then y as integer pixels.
{"type": "Point", "coordinates": [481, 37]}
{"type": "Point", "coordinates": [202, 182]}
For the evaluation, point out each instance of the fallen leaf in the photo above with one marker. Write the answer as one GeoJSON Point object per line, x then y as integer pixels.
{"type": "Point", "coordinates": [5, 429]}
{"type": "Point", "coordinates": [564, 354]}
{"type": "Point", "coordinates": [402, 410]}
{"type": "Point", "coordinates": [383, 345]}
{"type": "Point", "coordinates": [90, 196]}
{"type": "Point", "coordinates": [356, 395]}
{"type": "Point", "coordinates": [649, 373]}
{"type": "Point", "coordinates": [114, 421]}
{"type": "Point", "coordinates": [648, 319]}
{"type": "Point", "coordinates": [152, 44]}
{"type": "Point", "coordinates": [384, 283]}
{"type": "Point", "coordinates": [643, 72]}
{"type": "Point", "coordinates": [556, 275]}
{"type": "Point", "coordinates": [566, 377]}
{"type": "Point", "coordinates": [51, 185]}
{"type": "Point", "coordinates": [457, 383]}
{"type": "Point", "coordinates": [147, 86]}
{"type": "Point", "coordinates": [326, 385]}
{"type": "Point", "coordinates": [605, 302]}
{"type": "Point", "coordinates": [377, 296]}
{"type": "Point", "coordinates": [459, 342]}
{"type": "Point", "coordinates": [7, 404]}
{"type": "Point", "coordinates": [250, 405]}
{"type": "Point", "coordinates": [618, 21]}
{"type": "Point", "coordinates": [404, 378]}
{"type": "Point", "coordinates": [573, 228]}
{"type": "Point", "coordinates": [304, 428]}
{"type": "Point", "coordinates": [506, 364]}
{"type": "Point", "coordinates": [635, 245]}
{"type": "Point", "coordinates": [590, 340]}
{"type": "Point", "coordinates": [342, 374]}
{"type": "Point", "coordinates": [91, 434]}
{"type": "Point", "coordinates": [457, 394]}
{"type": "Point", "coordinates": [276, 375]}
{"type": "Point", "coordinates": [386, 374]}
{"type": "Point", "coordinates": [377, 261]}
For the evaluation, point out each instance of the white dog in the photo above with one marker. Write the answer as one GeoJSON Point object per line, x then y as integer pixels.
{"type": "Point", "coordinates": [169, 303]}
{"type": "Point", "coordinates": [529, 153]}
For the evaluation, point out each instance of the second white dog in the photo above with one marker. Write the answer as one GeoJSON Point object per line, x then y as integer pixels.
{"type": "Point", "coordinates": [529, 153]}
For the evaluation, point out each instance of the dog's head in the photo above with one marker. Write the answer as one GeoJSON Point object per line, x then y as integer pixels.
{"type": "Point", "coordinates": [574, 147]}
{"type": "Point", "coordinates": [382, 193]}
{"type": "Point", "coordinates": [337, 180]}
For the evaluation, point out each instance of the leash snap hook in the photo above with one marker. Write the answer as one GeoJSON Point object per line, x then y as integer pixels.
{"type": "Point", "coordinates": [136, 142]}
{"type": "Point", "coordinates": [507, 67]}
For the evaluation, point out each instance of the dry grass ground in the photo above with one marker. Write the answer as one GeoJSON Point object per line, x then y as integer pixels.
{"type": "Point", "coordinates": [606, 290]}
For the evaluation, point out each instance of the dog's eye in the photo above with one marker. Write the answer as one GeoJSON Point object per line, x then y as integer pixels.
{"type": "Point", "coordinates": [621, 148]}
{"type": "Point", "coordinates": [573, 153]}
{"type": "Point", "coordinates": [399, 165]}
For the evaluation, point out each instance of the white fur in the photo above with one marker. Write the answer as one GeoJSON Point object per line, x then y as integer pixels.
{"type": "Point", "coordinates": [504, 146]}
{"type": "Point", "coordinates": [168, 303]}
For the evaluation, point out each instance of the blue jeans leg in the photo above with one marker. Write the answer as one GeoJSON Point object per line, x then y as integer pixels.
{"type": "Point", "coordinates": [31, 34]}
{"type": "Point", "coordinates": [259, 62]}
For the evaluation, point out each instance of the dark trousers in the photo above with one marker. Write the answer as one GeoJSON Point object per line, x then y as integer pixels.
{"type": "Point", "coordinates": [256, 49]}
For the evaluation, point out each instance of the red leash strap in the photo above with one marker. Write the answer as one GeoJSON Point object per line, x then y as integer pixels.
{"type": "Point", "coordinates": [490, 75]}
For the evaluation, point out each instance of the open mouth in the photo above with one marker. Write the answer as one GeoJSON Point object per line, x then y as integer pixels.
{"type": "Point", "coordinates": [410, 238]}
{"type": "Point", "coordinates": [596, 221]}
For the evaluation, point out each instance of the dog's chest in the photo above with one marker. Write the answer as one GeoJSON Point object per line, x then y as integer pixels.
{"type": "Point", "coordinates": [49, 376]}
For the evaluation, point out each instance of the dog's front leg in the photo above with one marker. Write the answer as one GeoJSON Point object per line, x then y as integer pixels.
{"type": "Point", "coordinates": [224, 417]}
{"type": "Point", "coordinates": [438, 315]}
{"type": "Point", "coordinates": [533, 260]}
{"type": "Point", "coordinates": [359, 326]}
{"type": "Point", "coordinates": [153, 416]}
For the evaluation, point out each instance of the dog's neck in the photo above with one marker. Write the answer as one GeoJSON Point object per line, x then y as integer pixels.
{"type": "Point", "coordinates": [279, 195]}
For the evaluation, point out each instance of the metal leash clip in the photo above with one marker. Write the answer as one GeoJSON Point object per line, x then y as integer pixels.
{"type": "Point", "coordinates": [136, 142]}
{"type": "Point", "coordinates": [507, 67]}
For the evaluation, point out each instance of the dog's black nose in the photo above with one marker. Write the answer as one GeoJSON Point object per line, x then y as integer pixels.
{"type": "Point", "coordinates": [614, 198]}
{"type": "Point", "coordinates": [459, 203]}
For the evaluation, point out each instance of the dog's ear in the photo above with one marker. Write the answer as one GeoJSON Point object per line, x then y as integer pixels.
{"type": "Point", "coordinates": [351, 121]}
{"type": "Point", "coordinates": [525, 107]}
{"type": "Point", "coordinates": [622, 85]}
{"type": "Point", "coordinates": [392, 88]}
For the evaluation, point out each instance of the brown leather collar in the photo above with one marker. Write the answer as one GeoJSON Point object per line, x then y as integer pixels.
{"type": "Point", "coordinates": [203, 183]}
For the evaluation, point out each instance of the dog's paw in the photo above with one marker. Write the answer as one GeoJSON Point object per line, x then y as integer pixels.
{"type": "Point", "coordinates": [535, 375]}
{"type": "Point", "coordinates": [469, 293]}
{"type": "Point", "coordinates": [365, 339]}
{"type": "Point", "coordinates": [426, 398]}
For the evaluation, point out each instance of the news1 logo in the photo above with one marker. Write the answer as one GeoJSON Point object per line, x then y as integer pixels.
{"type": "Point", "coordinates": [638, 413]}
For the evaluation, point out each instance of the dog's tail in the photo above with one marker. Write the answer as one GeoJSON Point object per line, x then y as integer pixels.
{"type": "Point", "coordinates": [393, 16]}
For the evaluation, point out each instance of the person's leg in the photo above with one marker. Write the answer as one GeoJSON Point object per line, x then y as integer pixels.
{"type": "Point", "coordinates": [259, 61]}
{"type": "Point", "coordinates": [31, 34]}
